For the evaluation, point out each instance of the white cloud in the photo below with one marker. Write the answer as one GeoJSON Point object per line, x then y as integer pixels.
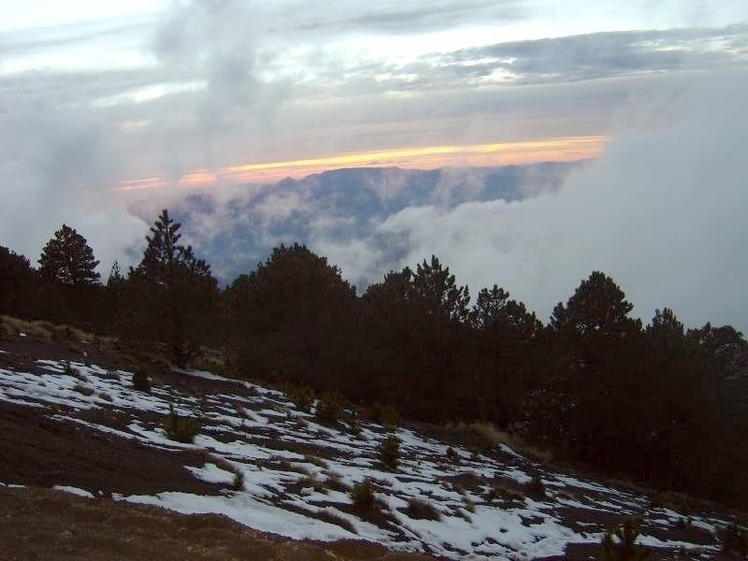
{"type": "Point", "coordinates": [662, 212]}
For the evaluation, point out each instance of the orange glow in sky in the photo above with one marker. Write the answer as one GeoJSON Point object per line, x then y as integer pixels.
{"type": "Point", "coordinates": [559, 149]}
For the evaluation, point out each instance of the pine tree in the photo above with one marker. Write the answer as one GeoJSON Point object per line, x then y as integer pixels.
{"type": "Point", "coordinates": [116, 279]}
{"type": "Point", "coordinates": [174, 291]}
{"type": "Point", "coordinates": [16, 279]}
{"type": "Point", "coordinates": [67, 259]}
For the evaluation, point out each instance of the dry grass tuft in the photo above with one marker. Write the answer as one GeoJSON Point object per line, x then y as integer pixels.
{"type": "Point", "coordinates": [422, 510]}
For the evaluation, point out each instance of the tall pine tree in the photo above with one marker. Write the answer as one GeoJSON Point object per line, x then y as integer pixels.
{"type": "Point", "coordinates": [67, 259]}
{"type": "Point", "coordinates": [172, 292]}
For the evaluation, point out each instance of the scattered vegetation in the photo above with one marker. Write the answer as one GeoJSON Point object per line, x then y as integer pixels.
{"type": "Point", "coordinates": [335, 483]}
{"type": "Point", "coordinates": [238, 483]}
{"type": "Point", "coordinates": [620, 544]}
{"type": "Point", "coordinates": [536, 488]}
{"type": "Point", "coordinates": [422, 510]}
{"type": "Point", "coordinates": [312, 482]}
{"type": "Point", "coordinates": [83, 390]}
{"type": "Point", "coordinates": [385, 415]}
{"type": "Point", "coordinates": [416, 341]}
{"type": "Point", "coordinates": [331, 517]}
{"type": "Point", "coordinates": [504, 493]}
{"type": "Point", "coordinates": [389, 452]}
{"type": "Point", "coordinates": [140, 380]}
{"type": "Point", "coordinates": [301, 395]}
{"type": "Point", "coordinates": [734, 541]}
{"type": "Point", "coordinates": [314, 460]}
{"type": "Point", "coordinates": [180, 428]}
{"type": "Point", "coordinates": [363, 496]}
{"type": "Point", "coordinates": [111, 375]}
{"type": "Point", "coordinates": [330, 407]}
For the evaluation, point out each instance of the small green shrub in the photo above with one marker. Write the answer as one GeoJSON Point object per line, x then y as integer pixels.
{"type": "Point", "coordinates": [140, 380]}
{"type": "Point", "coordinates": [363, 496]}
{"type": "Point", "coordinates": [301, 396]}
{"type": "Point", "coordinates": [389, 452]}
{"type": "Point", "coordinates": [385, 415]}
{"type": "Point", "coordinates": [181, 429]}
{"type": "Point", "coordinates": [536, 487]}
{"type": "Point", "coordinates": [354, 429]}
{"type": "Point", "coordinates": [330, 408]}
{"type": "Point", "coordinates": [421, 510]}
{"type": "Point", "coordinates": [619, 544]}
{"type": "Point", "coordinates": [734, 541]}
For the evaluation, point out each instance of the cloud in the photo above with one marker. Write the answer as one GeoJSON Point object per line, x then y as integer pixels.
{"type": "Point", "coordinates": [55, 168]}
{"type": "Point", "coordinates": [662, 211]}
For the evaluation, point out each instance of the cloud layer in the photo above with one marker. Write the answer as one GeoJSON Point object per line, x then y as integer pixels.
{"type": "Point", "coordinates": [662, 211]}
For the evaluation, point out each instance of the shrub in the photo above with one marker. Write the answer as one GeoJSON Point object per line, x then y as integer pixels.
{"type": "Point", "coordinates": [140, 380]}
{"type": "Point", "coordinates": [313, 482]}
{"type": "Point", "coordinates": [70, 370]}
{"type": "Point", "coordinates": [363, 496]}
{"type": "Point", "coordinates": [333, 518]}
{"type": "Point", "coordinates": [389, 452]}
{"type": "Point", "coordinates": [385, 415]}
{"type": "Point", "coordinates": [453, 455]}
{"type": "Point", "coordinates": [105, 396]}
{"type": "Point", "coordinates": [421, 510]}
{"type": "Point", "coordinates": [179, 428]}
{"type": "Point", "coordinates": [7, 332]}
{"type": "Point", "coordinates": [335, 482]}
{"type": "Point", "coordinates": [734, 541]}
{"type": "Point", "coordinates": [330, 407]}
{"type": "Point", "coordinates": [619, 544]}
{"type": "Point", "coordinates": [354, 429]}
{"type": "Point", "coordinates": [84, 390]}
{"type": "Point", "coordinates": [504, 493]}
{"type": "Point", "coordinates": [315, 461]}
{"type": "Point", "coordinates": [536, 487]}
{"type": "Point", "coordinates": [301, 396]}
{"type": "Point", "coordinates": [238, 483]}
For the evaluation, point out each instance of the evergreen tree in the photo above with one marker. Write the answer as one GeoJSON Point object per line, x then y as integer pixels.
{"type": "Point", "coordinates": [16, 278]}
{"type": "Point", "coordinates": [116, 279]}
{"type": "Point", "coordinates": [435, 288]}
{"type": "Point", "coordinates": [293, 317]}
{"type": "Point", "coordinates": [171, 293]}
{"type": "Point", "coordinates": [68, 260]}
{"type": "Point", "coordinates": [597, 306]}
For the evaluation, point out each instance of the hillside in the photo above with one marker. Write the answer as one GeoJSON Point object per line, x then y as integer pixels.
{"type": "Point", "coordinates": [74, 422]}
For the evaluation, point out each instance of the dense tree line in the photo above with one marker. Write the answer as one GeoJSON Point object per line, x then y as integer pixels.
{"type": "Point", "coordinates": [658, 403]}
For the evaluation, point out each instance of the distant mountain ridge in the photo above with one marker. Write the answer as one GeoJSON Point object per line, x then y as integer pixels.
{"type": "Point", "coordinates": [233, 233]}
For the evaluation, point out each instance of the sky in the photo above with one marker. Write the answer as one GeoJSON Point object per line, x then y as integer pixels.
{"type": "Point", "coordinates": [110, 108]}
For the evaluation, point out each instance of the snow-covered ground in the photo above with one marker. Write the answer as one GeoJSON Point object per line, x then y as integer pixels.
{"type": "Point", "coordinates": [282, 453]}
